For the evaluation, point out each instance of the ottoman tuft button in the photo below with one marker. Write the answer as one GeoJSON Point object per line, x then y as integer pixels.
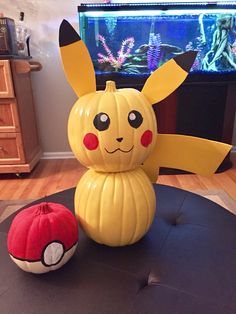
{"type": "Point", "coordinates": [153, 279]}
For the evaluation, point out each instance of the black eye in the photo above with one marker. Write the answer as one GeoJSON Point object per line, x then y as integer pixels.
{"type": "Point", "coordinates": [135, 119]}
{"type": "Point", "coordinates": [101, 121]}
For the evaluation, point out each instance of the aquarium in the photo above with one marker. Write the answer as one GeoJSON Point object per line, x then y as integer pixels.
{"type": "Point", "coordinates": [132, 40]}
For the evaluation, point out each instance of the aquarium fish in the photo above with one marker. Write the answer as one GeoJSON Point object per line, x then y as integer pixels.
{"type": "Point", "coordinates": [142, 49]}
{"type": "Point", "coordinates": [166, 48]}
{"type": "Point", "coordinates": [171, 49]}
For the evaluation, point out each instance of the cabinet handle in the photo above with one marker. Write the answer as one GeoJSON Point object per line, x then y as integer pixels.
{"type": "Point", "coordinates": [35, 66]}
{"type": "Point", "coordinates": [23, 66]}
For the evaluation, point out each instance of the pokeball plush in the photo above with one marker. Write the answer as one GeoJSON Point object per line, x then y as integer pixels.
{"type": "Point", "coordinates": [42, 237]}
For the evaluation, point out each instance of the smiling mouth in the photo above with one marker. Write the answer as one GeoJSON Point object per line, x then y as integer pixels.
{"type": "Point", "coordinates": [123, 151]}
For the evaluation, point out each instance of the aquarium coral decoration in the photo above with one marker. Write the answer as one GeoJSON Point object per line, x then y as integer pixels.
{"type": "Point", "coordinates": [221, 51]}
{"type": "Point", "coordinates": [154, 48]}
{"type": "Point", "coordinates": [154, 51]}
{"type": "Point", "coordinates": [116, 62]}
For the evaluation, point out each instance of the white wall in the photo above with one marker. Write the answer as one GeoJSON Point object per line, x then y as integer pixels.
{"type": "Point", "coordinates": [53, 95]}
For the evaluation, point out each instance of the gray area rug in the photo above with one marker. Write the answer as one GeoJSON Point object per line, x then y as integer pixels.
{"type": "Point", "coordinates": [218, 196]}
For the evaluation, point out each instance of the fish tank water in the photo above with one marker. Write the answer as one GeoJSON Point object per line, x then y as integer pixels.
{"type": "Point", "coordinates": [129, 41]}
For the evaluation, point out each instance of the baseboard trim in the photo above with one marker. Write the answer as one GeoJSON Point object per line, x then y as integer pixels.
{"type": "Point", "coordinates": [58, 155]}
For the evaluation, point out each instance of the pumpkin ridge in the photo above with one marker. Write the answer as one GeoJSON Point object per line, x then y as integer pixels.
{"type": "Point", "coordinates": [19, 220]}
{"type": "Point", "coordinates": [151, 118]}
{"type": "Point", "coordinates": [145, 198]}
{"type": "Point", "coordinates": [100, 139]}
{"type": "Point", "coordinates": [77, 199]}
{"type": "Point", "coordinates": [28, 235]}
{"type": "Point", "coordinates": [131, 161]}
{"type": "Point", "coordinates": [49, 221]}
{"type": "Point", "coordinates": [118, 116]}
{"type": "Point", "coordinates": [96, 177]}
{"type": "Point", "coordinates": [148, 200]}
{"type": "Point", "coordinates": [100, 211]}
{"type": "Point", "coordinates": [147, 113]}
{"type": "Point", "coordinates": [142, 188]}
{"type": "Point", "coordinates": [91, 104]}
{"type": "Point", "coordinates": [131, 240]}
{"type": "Point", "coordinates": [85, 214]}
{"type": "Point", "coordinates": [128, 106]}
{"type": "Point", "coordinates": [122, 210]}
{"type": "Point", "coordinates": [89, 100]}
{"type": "Point", "coordinates": [63, 222]}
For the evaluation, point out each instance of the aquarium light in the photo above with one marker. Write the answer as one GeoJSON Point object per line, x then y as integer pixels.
{"type": "Point", "coordinates": [199, 2]}
{"type": "Point", "coordinates": [121, 13]}
{"type": "Point", "coordinates": [116, 4]}
{"type": "Point", "coordinates": [163, 6]}
{"type": "Point", "coordinates": [226, 3]}
{"type": "Point", "coordinates": [151, 4]}
{"type": "Point", "coordinates": [148, 13]}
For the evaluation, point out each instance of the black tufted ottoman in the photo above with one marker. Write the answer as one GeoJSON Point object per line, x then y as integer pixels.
{"type": "Point", "coordinates": [185, 264]}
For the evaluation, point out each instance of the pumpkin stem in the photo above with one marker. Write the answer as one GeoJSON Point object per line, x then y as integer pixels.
{"type": "Point", "coordinates": [43, 209]}
{"type": "Point", "coordinates": [110, 86]}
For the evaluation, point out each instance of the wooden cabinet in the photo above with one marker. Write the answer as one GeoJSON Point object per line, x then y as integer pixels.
{"type": "Point", "coordinates": [19, 141]}
{"type": "Point", "coordinates": [6, 86]}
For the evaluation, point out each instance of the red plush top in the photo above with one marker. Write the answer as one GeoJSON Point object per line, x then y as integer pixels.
{"type": "Point", "coordinates": [37, 226]}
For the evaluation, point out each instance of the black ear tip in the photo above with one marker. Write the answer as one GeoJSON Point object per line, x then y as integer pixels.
{"type": "Point", "coordinates": [192, 54]}
{"type": "Point", "coordinates": [65, 25]}
{"type": "Point", "coordinates": [67, 34]}
{"type": "Point", "coordinates": [186, 59]}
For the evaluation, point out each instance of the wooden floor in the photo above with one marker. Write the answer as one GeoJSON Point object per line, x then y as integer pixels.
{"type": "Point", "coordinates": [51, 176]}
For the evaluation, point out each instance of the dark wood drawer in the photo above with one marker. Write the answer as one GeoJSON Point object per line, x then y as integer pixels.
{"type": "Point", "coordinates": [11, 149]}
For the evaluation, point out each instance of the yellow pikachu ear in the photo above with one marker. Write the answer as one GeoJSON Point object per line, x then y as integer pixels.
{"type": "Point", "coordinates": [76, 60]}
{"type": "Point", "coordinates": [163, 81]}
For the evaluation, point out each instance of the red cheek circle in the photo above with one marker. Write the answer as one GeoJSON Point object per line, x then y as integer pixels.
{"type": "Point", "coordinates": [146, 138]}
{"type": "Point", "coordinates": [90, 141]}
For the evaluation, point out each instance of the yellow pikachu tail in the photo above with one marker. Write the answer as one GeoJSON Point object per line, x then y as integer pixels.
{"type": "Point", "coordinates": [163, 81]}
{"type": "Point", "coordinates": [189, 153]}
{"type": "Point", "coordinates": [76, 60]}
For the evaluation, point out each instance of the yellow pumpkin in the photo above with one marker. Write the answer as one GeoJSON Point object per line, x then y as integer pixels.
{"type": "Point", "coordinates": [114, 133]}
{"type": "Point", "coordinates": [115, 209]}
{"type": "Point", "coordinates": [112, 130]}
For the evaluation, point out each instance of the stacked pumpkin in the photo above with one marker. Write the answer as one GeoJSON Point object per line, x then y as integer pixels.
{"type": "Point", "coordinates": [112, 133]}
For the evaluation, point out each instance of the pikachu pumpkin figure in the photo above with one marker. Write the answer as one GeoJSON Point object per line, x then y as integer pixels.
{"type": "Point", "coordinates": [114, 134]}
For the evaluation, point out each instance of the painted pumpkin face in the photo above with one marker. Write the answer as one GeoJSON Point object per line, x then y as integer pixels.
{"type": "Point", "coordinates": [112, 130]}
